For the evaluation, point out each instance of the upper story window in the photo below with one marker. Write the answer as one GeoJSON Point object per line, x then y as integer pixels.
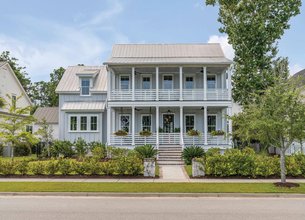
{"type": "Point", "coordinates": [85, 86]}
{"type": "Point", "coordinates": [29, 128]}
{"type": "Point", "coordinates": [146, 82]}
{"type": "Point", "coordinates": [14, 100]}
{"type": "Point", "coordinates": [211, 81]}
{"type": "Point", "coordinates": [168, 82]}
{"type": "Point", "coordinates": [124, 82]}
{"type": "Point", "coordinates": [189, 82]}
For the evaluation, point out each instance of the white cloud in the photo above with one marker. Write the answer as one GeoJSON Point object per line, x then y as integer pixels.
{"type": "Point", "coordinates": [223, 41]}
{"type": "Point", "coordinates": [295, 68]}
{"type": "Point", "coordinates": [69, 45]}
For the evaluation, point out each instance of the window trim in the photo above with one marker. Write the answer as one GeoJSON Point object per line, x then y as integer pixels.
{"type": "Point", "coordinates": [120, 122]}
{"type": "Point", "coordinates": [129, 83]}
{"type": "Point", "coordinates": [189, 75]}
{"type": "Point", "coordinates": [173, 81]}
{"type": "Point", "coordinates": [150, 121]}
{"type": "Point", "coordinates": [81, 87]}
{"type": "Point", "coordinates": [213, 74]}
{"type": "Point", "coordinates": [185, 121]}
{"type": "Point", "coordinates": [78, 126]}
{"type": "Point", "coordinates": [215, 121]}
{"type": "Point", "coordinates": [146, 75]}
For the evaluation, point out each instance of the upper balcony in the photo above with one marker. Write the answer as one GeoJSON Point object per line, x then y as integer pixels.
{"type": "Point", "coordinates": [169, 84]}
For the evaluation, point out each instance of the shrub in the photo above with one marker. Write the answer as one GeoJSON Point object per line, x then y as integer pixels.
{"type": "Point", "coordinates": [79, 167]}
{"type": "Point", "coordinates": [266, 166]}
{"type": "Point", "coordinates": [92, 167]}
{"type": "Point", "coordinates": [145, 133]}
{"type": "Point", "coordinates": [8, 167]}
{"type": "Point", "coordinates": [217, 133]}
{"type": "Point", "coordinates": [81, 148]}
{"type": "Point", "coordinates": [146, 151]}
{"type": "Point", "coordinates": [22, 150]}
{"type": "Point", "coordinates": [22, 167]}
{"type": "Point", "coordinates": [62, 148]}
{"type": "Point", "coordinates": [300, 158]}
{"type": "Point", "coordinates": [193, 132]}
{"type": "Point", "coordinates": [98, 150]}
{"type": "Point", "coordinates": [128, 165]}
{"type": "Point", "coordinates": [192, 152]}
{"type": "Point", "coordinates": [292, 166]}
{"type": "Point", "coordinates": [121, 133]}
{"type": "Point", "coordinates": [51, 167]}
{"type": "Point", "coordinates": [115, 152]}
{"type": "Point", "coordinates": [37, 167]}
{"type": "Point", "coordinates": [108, 167]}
{"type": "Point", "coordinates": [65, 166]}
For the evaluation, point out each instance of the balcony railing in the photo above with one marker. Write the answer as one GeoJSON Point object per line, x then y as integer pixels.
{"type": "Point", "coordinates": [169, 94]}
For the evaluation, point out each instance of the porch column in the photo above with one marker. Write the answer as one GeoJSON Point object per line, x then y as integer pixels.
{"type": "Point", "coordinates": [181, 125]}
{"type": "Point", "coordinates": [205, 116]}
{"type": "Point", "coordinates": [223, 80]}
{"type": "Point", "coordinates": [109, 75]}
{"type": "Point", "coordinates": [230, 125]}
{"type": "Point", "coordinates": [133, 125]}
{"type": "Point", "coordinates": [205, 83]}
{"type": "Point", "coordinates": [229, 85]}
{"type": "Point", "coordinates": [157, 84]}
{"type": "Point", "coordinates": [224, 120]}
{"type": "Point", "coordinates": [181, 82]}
{"type": "Point", "coordinates": [133, 83]}
{"type": "Point", "coordinates": [157, 127]}
{"type": "Point", "coordinates": [109, 126]}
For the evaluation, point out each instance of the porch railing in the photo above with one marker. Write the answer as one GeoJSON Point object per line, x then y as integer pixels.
{"type": "Point", "coordinates": [169, 138]}
{"type": "Point", "coordinates": [217, 94]}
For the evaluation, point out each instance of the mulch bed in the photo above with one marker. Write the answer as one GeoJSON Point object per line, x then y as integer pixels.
{"type": "Point", "coordinates": [75, 177]}
{"type": "Point", "coordinates": [246, 177]}
{"type": "Point", "coordinates": [287, 184]}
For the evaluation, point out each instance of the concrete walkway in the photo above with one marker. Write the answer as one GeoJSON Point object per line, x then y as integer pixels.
{"type": "Point", "coordinates": [173, 173]}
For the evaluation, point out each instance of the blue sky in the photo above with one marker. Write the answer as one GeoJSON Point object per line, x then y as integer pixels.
{"type": "Point", "coordinates": [45, 35]}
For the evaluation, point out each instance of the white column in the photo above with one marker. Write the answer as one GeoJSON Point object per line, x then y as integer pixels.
{"type": "Point", "coordinates": [133, 125]}
{"type": "Point", "coordinates": [205, 82]}
{"type": "Point", "coordinates": [181, 125]}
{"type": "Point", "coordinates": [133, 83]}
{"type": "Point", "coordinates": [109, 125]}
{"type": "Point", "coordinates": [181, 82]}
{"type": "Point", "coordinates": [229, 85]}
{"type": "Point", "coordinates": [109, 75]}
{"type": "Point", "coordinates": [113, 80]}
{"type": "Point", "coordinates": [224, 120]}
{"type": "Point", "coordinates": [205, 116]}
{"type": "Point", "coordinates": [157, 84]}
{"type": "Point", "coordinates": [223, 79]}
{"type": "Point", "coordinates": [157, 126]}
{"type": "Point", "coordinates": [230, 125]}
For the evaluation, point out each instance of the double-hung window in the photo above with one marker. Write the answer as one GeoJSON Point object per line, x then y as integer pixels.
{"type": "Point", "coordinates": [85, 86]}
{"type": "Point", "coordinates": [93, 123]}
{"type": "Point", "coordinates": [168, 82]}
{"type": "Point", "coordinates": [146, 82]}
{"type": "Point", "coordinates": [189, 82]}
{"type": "Point", "coordinates": [124, 83]}
{"type": "Point", "coordinates": [189, 122]}
{"type": "Point", "coordinates": [211, 123]}
{"type": "Point", "coordinates": [211, 81]}
{"type": "Point", "coordinates": [146, 122]}
{"type": "Point", "coordinates": [83, 123]}
{"type": "Point", "coordinates": [73, 123]}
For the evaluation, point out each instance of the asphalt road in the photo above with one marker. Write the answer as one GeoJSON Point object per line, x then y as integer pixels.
{"type": "Point", "coordinates": [109, 208]}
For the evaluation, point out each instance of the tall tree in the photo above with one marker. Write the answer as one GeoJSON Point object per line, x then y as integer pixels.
{"type": "Point", "coordinates": [20, 72]}
{"type": "Point", "coordinates": [275, 120]}
{"type": "Point", "coordinates": [45, 132]}
{"type": "Point", "coordinates": [253, 29]}
{"type": "Point", "coordinates": [13, 126]}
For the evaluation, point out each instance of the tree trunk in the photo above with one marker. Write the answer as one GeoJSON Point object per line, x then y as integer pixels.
{"type": "Point", "coordinates": [283, 166]}
{"type": "Point", "coordinates": [12, 152]}
{"type": "Point", "coordinates": [301, 142]}
{"type": "Point", "coordinates": [48, 148]}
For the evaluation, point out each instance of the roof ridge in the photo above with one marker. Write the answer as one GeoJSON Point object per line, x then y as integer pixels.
{"type": "Point", "coordinates": [166, 43]}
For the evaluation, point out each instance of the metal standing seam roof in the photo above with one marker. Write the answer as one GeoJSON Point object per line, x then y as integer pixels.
{"type": "Point", "coordinates": [167, 54]}
{"type": "Point", "coordinates": [50, 114]}
{"type": "Point", "coordinates": [83, 106]}
{"type": "Point", "coordinates": [70, 79]}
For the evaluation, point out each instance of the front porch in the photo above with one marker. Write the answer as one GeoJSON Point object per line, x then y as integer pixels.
{"type": "Point", "coordinates": [169, 126]}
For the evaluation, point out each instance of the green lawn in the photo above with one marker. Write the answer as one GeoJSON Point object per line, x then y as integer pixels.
{"type": "Point", "coordinates": [147, 187]}
{"type": "Point", "coordinates": [31, 157]}
{"type": "Point", "coordinates": [188, 169]}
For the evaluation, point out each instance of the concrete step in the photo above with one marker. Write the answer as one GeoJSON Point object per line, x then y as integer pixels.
{"type": "Point", "coordinates": [170, 149]}
{"type": "Point", "coordinates": [170, 155]}
{"type": "Point", "coordinates": [170, 162]}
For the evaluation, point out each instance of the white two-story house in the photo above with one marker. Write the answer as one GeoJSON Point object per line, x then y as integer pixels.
{"type": "Point", "coordinates": [166, 89]}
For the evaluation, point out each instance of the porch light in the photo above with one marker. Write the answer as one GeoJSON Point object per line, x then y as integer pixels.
{"type": "Point", "coordinates": [169, 111]}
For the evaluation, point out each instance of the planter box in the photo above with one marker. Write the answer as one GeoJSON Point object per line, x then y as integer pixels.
{"type": "Point", "coordinates": [149, 167]}
{"type": "Point", "coordinates": [197, 169]}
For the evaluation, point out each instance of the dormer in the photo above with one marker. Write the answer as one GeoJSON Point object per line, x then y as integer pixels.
{"type": "Point", "coordinates": [87, 81]}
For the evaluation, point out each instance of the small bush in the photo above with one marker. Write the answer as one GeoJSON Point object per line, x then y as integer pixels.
{"type": "Point", "coordinates": [22, 167]}
{"type": "Point", "coordinates": [65, 166]}
{"type": "Point", "coordinates": [192, 152]}
{"type": "Point", "coordinates": [108, 167]}
{"type": "Point", "coordinates": [22, 150]}
{"type": "Point", "coordinates": [98, 150]}
{"type": "Point", "coordinates": [146, 151]}
{"type": "Point", "coordinates": [292, 166]}
{"type": "Point", "coordinates": [51, 167]}
{"type": "Point", "coordinates": [8, 167]}
{"type": "Point", "coordinates": [62, 148]}
{"type": "Point", "coordinates": [79, 167]}
{"type": "Point", "coordinates": [115, 152]}
{"type": "Point", "coordinates": [81, 148]}
{"type": "Point", "coordinates": [37, 167]}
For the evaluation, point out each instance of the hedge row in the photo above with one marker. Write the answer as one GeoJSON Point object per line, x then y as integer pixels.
{"type": "Point", "coordinates": [125, 165]}
{"type": "Point", "coordinates": [247, 163]}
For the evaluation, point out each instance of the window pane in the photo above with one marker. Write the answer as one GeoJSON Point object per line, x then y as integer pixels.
{"type": "Point", "coordinates": [146, 123]}
{"type": "Point", "coordinates": [73, 123]}
{"type": "Point", "coordinates": [211, 81]}
{"type": "Point", "coordinates": [93, 123]}
{"type": "Point", "coordinates": [124, 82]}
{"type": "Point", "coordinates": [83, 123]}
{"type": "Point", "coordinates": [146, 82]}
{"type": "Point", "coordinates": [189, 82]}
{"type": "Point", "coordinates": [29, 129]}
{"type": "Point", "coordinates": [168, 82]}
{"type": "Point", "coordinates": [125, 122]}
{"type": "Point", "coordinates": [189, 122]}
{"type": "Point", "coordinates": [85, 86]}
{"type": "Point", "coordinates": [211, 123]}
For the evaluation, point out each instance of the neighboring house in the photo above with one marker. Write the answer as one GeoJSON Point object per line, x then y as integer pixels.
{"type": "Point", "coordinates": [167, 89]}
{"type": "Point", "coordinates": [10, 85]}
{"type": "Point", "coordinates": [50, 114]}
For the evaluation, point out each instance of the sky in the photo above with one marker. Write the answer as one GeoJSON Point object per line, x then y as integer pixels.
{"type": "Point", "coordinates": [45, 35]}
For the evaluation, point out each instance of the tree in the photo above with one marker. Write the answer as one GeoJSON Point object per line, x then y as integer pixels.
{"type": "Point", "coordinates": [13, 125]}
{"type": "Point", "coordinates": [2, 102]}
{"type": "Point", "coordinates": [45, 132]}
{"type": "Point", "coordinates": [253, 29]}
{"type": "Point", "coordinates": [19, 71]}
{"type": "Point", "coordinates": [275, 120]}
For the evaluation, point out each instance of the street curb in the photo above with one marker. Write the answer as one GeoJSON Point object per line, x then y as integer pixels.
{"type": "Point", "coordinates": [195, 195]}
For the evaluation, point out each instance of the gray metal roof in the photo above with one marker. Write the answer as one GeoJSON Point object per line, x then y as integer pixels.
{"type": "Point", "coordinates": [300, 73]}
{"type": "Point", "coordinates": [50, 114]}
{"type": "Point", "coordinates": [70, 79]}
{"type": "Point", "coordinates": [167, 54]}
{"type": "Point", "coordinates": [84, 106]}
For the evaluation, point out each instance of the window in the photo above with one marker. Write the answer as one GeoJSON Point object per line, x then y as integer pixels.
{"type": "Point", "coordinates": [83, 123]}
{"type": "Point", "coordinates": [124, 82]}
{"type": "Point", "coordinates": [211, 81]}
{"type": "Point", "coordinates": [73, 123]}
{"type": "Point", "coordinates": [93, 123]}
{"type": "Point", "coordinates": [146, 82]}
{"type": "Point", "coordinates": [189, 122]}
{"type": "Point", "coordinates": [146, 122]}
{"type": "Point", "coordinates": [189, 82]}
{"type": "Point", "coordinates": [211, 123]}
{"type": "Point", "coordinates": [168, 82]}
{"type": "Point", "coordinates": [14, 100]}
{"type": "Point", "coordinates": [85, 86]}
{"type": "Point", "coordinates": [29, 128]}
{"type": "Point", "coordinates": [125, 122]}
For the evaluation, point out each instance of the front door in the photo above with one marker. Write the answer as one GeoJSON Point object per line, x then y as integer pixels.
{"type": "Point", "coordinates": [168, 123]}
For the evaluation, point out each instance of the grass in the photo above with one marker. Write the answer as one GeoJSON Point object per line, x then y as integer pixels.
{"type": "Point", "coordinates": [31, 157]}
{"type": "Point", "coordinates": [188, 169]}
{"type": "Point", "coordinates": [147, 187]}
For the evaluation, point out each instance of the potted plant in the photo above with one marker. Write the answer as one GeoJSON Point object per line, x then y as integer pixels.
{"type": "Point", "coordinates": [145, 133]}
{"type": "Point", "coordinates": [193, 132]}
{"type": "Point", "coordinates": [121, 133]}
{"type": "Point", "coordinates": [217, 133]}
{"type": "Point", "coordinates": [177, 130]}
